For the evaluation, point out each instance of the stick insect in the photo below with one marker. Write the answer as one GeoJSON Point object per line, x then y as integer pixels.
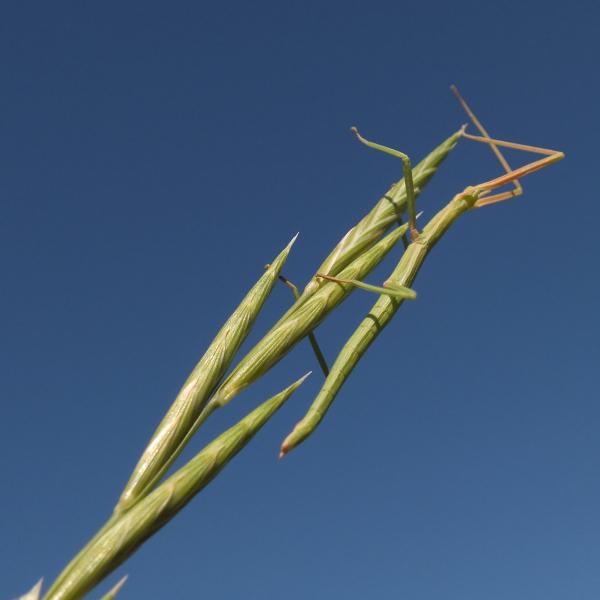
{"type": "Point", "coordinates": [387, 305]}
{"type": "Point", "coordinates": [148, 502]}
{"type": "Point", "coordinates": [352, 252]}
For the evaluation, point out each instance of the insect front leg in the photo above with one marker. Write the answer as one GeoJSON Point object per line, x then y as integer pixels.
{"type": "Point", "coordinates": [408, 181]}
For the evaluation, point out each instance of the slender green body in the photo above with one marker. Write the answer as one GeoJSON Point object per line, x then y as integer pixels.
{"type": "Point", "coordinates": [378, 317]}
{"type": "Point", "coordinates": [283, 336]}
{"type": "Point", "coordinates": [177, 425]}
{"type": "Point", "coordinates": [189, 410]}
{"type": "Point", "coordinates": [199, 385]}
{"type": "Point", "coordinates": [118, 541]}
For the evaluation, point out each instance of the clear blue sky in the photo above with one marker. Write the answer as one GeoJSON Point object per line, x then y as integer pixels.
{"type": "Point", "coordinates": [154, 156]}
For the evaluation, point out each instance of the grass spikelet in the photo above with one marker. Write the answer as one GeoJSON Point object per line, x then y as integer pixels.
{"type": "Point", "coordinates": [120, 539]}
{"type": "Point", "coordinates": [172, 430]}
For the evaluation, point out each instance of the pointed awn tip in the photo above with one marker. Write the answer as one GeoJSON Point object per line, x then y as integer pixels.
{"type": "Point", "coordinates": [116, 589]}
{"type": "Point", "coordinates": [34, 592]}
{"type": "Point", "coordinates": [303, 378]}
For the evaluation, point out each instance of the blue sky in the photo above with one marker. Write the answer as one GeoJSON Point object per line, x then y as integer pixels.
{"type": "Point", "coordinates": [154, 156]}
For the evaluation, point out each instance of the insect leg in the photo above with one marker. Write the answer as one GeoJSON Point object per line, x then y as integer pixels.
{"type": "Point", "coordinates": [408, 179]}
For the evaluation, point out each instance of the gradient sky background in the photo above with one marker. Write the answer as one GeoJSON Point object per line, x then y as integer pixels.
{"type": "Point", "coordinates": [154, 156]}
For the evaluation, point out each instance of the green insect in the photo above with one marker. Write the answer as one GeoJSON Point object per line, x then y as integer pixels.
{"type": "Point", "coordinates": [151, 499]}
{"type": "Point", "coordinates": [405, 272]}
{"type": "Point", "coordinates": [357, 253]}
